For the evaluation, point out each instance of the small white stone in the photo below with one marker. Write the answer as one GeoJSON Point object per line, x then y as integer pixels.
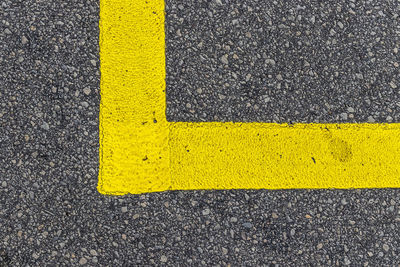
{"type": "Point", "coordinates": [45, 126]}
{"type": "Point", "coordinates": [393, 85]}
{"type": "Point", "coordinates": [163, 258]}
{"type": "Point", "coordinates": [385, 247]}
{"type": "Point", "coordinates": [270, 61]}
{"type": "Point", "coordinates": [371, 119]}
{"type": "Point", "coordinates": [82, 261]}
{"type": "Point", "coordinates": [24, 40]}
{"type": "Point", "coordinates": [292, 232]}
{"type": "Point", "coordinates": [206, 211]}
{"type": "Point", "coordinates": [86, 90]}
{"type": "Point", "coordinates": [224, 59]}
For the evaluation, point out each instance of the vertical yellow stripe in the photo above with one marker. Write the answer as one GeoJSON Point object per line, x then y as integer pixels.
{"type": "Point", "coordinates": [133, 129]}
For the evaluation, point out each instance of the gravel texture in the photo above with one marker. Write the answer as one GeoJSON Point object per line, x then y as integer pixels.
{"type": "Point", "coordinates": [283, 61]}
{"type": "Point", "coordinates": [51, 213]}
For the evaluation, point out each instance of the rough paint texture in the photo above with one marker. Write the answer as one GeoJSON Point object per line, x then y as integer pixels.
{"type": "Point", "coordinates": [141, 152]}
{"type": "Point", "coordinates": [133, 127]}
{"type": "Point", "coordinates": [257, 155]}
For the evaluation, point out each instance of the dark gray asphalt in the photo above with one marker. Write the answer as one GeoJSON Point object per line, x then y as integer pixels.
{"type": "Point", "coordinates": [283, 61]}
{"type": "Point", "coordinates": [51, 213]}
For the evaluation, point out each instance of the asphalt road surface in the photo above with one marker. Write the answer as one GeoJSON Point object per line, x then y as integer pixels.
{"type": "Point", "coordinates": [283, 61]}
{"type": "Point", "coordinates": [52, 214]}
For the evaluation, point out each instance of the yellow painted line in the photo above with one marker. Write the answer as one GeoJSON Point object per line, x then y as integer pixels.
{"type": "Point", "coordinates": [141, 152]}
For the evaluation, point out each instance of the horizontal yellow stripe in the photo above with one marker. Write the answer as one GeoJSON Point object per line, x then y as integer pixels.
{"type": "Point", "coordinates": [141, 152]}
{"type": "Point", "coordinates": [259, 155]}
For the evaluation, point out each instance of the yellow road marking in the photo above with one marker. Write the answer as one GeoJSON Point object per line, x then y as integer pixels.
{"type": "Point", "coordinates": [141, 152]}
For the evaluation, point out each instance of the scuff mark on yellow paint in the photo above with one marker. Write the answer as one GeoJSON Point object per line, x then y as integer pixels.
{"type": "Point", "coordinates": [341, 150]}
